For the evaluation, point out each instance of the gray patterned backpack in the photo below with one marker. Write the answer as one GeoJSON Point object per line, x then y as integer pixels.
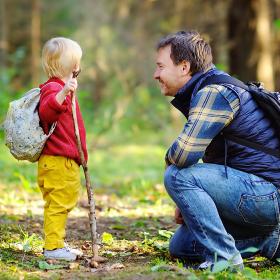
{"type": "Point", "coordinates": [23, 134]}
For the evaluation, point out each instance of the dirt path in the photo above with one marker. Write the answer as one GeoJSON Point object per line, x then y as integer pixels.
{"type": "Point", "coordinates": [135, 238]}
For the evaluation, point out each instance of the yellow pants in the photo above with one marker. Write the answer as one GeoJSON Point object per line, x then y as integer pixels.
{"type": "Point", "coordinates": [59, 181]}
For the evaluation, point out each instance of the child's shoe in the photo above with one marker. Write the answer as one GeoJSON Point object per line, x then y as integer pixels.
{"type": "Point", "coordinates": [77, 252]}
{"type": "Point", "coordinates": [60, 254]}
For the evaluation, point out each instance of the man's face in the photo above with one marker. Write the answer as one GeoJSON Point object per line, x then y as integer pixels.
{"type": "Point", "coordinates": [171, 77]}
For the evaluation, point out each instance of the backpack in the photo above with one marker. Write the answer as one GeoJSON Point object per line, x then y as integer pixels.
{"type": "Point", "coordinates": [268, 101]}
{"type": "Point", "coordinates": [23, 134]}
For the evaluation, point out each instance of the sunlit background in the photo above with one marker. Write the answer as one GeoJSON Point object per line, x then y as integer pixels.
{"type": "Point", "coordinates": [129, 123]}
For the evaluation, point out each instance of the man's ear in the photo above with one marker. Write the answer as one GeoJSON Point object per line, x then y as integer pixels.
{"type": "Point", "coordinates": [186, 66]}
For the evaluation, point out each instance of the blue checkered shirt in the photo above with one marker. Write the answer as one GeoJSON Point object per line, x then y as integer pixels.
{"type": "Point", "coordinates": [211, 109]}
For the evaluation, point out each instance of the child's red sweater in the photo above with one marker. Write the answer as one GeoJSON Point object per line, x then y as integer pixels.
{"type": "Point", "coordinates": [63, 140]}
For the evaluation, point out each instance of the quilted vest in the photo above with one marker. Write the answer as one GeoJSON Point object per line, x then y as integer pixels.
{"type": "Point", "coordinates": [249, 123]}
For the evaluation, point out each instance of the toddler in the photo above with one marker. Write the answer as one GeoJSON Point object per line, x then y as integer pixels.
{"type": "Point", "coordinates": [58, 165]}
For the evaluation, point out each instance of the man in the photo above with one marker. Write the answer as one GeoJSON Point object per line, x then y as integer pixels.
{"type": "Point", "coordinates": [231, 201]}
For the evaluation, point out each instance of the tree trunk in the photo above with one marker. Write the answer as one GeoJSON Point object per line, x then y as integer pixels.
{"type": "Point", "coordinates": [35, 41]}
{"type": "Point", "coordinates": [3, 36]}
{"type": "Point", "coordinates": [250, 55]}
{"type": "Point", "coordinates": [241, 34]}
{"type": "Point", "coordinates": [265, 72]}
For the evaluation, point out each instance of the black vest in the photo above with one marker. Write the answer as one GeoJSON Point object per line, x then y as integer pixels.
{"type": "Point", "coordinates": [249, 123]}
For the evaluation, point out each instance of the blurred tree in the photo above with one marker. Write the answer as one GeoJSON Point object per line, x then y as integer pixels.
{"type": "Point", "coordinates": [250, 55]}
{"type": "Point", "coordinates": [3, 36]}
{"type": "Point", "coordinates": [35, 41]}
{"type": "Point", "coordinates": [17, 19]}
{"type": "Point", "coordinates": [275, 9]}
{"type": "Point", "coordinates": [264, 49]}
{"type": "Point", "coordinates": [118, 40]}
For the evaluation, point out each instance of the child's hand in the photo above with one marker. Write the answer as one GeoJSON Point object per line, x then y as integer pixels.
{"type": "Point", "coordinates": [70, 86]}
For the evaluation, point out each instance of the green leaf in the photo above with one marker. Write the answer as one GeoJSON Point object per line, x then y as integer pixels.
{"type": "Point", "coordinates": [107, 238]}
{"type": "Point", "coordinates": [220, 266]}
{"type": "Point", "coordinates": [138, 224]}
{"type": "Point", "coordinates": [45, 266]}
{"type": "Point", "coordinates": [118, 226]}
{"type": "Point", "coordinates": [157, 267]}
{"type": "Point", "coordinates": [110, 253]}
{"type": "Point", "coordinates": [250, 273]}
{"type": "Point", "coordinates": [125, 254]}
{"type": "Point", "coordinates": [26, 247]}
{"type": "Point", "coordinates": [161, 246]}
{"type": "Point", "coordinates": [165, 233]}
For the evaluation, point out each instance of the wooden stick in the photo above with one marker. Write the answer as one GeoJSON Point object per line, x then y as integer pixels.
{"type": "Point", "coordinates": [91, 215]}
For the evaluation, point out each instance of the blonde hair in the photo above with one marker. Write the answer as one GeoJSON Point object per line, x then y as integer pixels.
{"type": "Point", "coordinates": [60, 56]}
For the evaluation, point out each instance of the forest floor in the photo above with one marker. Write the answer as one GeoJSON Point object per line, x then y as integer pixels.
{"type": "Point", "coordinates": [134, 234]}
{"type": "Point", "coordinates": [130, 236]}
{"type": "Point", "coordinates": [134, 219]}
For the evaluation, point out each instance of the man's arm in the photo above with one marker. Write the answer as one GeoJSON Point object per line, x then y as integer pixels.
{"type": "Point", "coordinates": [211, 109]}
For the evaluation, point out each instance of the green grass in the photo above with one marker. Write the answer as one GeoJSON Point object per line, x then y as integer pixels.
{"type": "Point", "coordinates": [134, 214]}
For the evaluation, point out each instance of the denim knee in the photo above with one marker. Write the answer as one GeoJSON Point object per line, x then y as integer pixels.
{"type": "Point", "coordinates": [169, 176]}
{"type": "Point", "coordinates": [174, 247]}
{"type": "Point", "coordinates": [184, 246]}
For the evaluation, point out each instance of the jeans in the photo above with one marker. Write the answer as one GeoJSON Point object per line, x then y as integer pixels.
{"type": "Point", "coordinates": [223, 215]}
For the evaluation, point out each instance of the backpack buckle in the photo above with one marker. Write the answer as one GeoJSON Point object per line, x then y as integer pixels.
{"type": "Point", "coordinates": [259, 85]}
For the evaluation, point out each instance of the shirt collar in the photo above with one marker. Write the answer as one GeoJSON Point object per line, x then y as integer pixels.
{"type": "Point", "coordinates": [53, 79]}
{"type": "Point", "coordinates": [189, 85]}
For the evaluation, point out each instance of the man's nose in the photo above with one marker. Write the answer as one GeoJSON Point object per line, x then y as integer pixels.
{"type": "Point", "coordinates": [156, 74]}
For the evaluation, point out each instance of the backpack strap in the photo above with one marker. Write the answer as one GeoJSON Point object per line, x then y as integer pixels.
{"type": "Point", "coordinates": [226, 79]}
{"type": "Point", "coordinates": [252, 145]}
{"type": "Point", "coordinates": [223, 79]}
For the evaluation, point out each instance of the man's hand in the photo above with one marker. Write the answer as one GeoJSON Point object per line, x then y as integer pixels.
{"type": "Point", "coordinates": [70, 86]}
{"type": "Point", "coordinates": [178, 217]}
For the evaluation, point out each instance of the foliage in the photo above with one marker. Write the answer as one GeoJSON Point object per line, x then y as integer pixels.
{"type": "Point", "coordinates": [277, 23]}
{"type": "Point", "coordinates": [140, 243]}
{"type": "Point", "coordinates": [130, 125]}
{"type": "Point", "coordinates": [45, 266]}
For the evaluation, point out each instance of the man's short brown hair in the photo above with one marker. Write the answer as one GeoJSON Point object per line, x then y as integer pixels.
{"type": "Point", "coordinates": [188, 46]}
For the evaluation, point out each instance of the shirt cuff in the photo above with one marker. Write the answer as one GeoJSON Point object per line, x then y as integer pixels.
{"type": "Point", "coordinates": [166, 158]}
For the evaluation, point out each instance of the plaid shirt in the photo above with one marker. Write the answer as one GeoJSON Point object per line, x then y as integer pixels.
{"type": "Point", "coordinates": [211, 109]}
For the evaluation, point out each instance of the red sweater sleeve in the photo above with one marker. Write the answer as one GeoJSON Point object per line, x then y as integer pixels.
{"type": "Point", "coordinates": [49, 108]}
{"type": "Point", "coordinates": [62, 142]}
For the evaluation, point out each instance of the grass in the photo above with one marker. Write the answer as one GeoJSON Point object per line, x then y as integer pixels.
{"type": "Point", "coordinates": [135, 218]}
